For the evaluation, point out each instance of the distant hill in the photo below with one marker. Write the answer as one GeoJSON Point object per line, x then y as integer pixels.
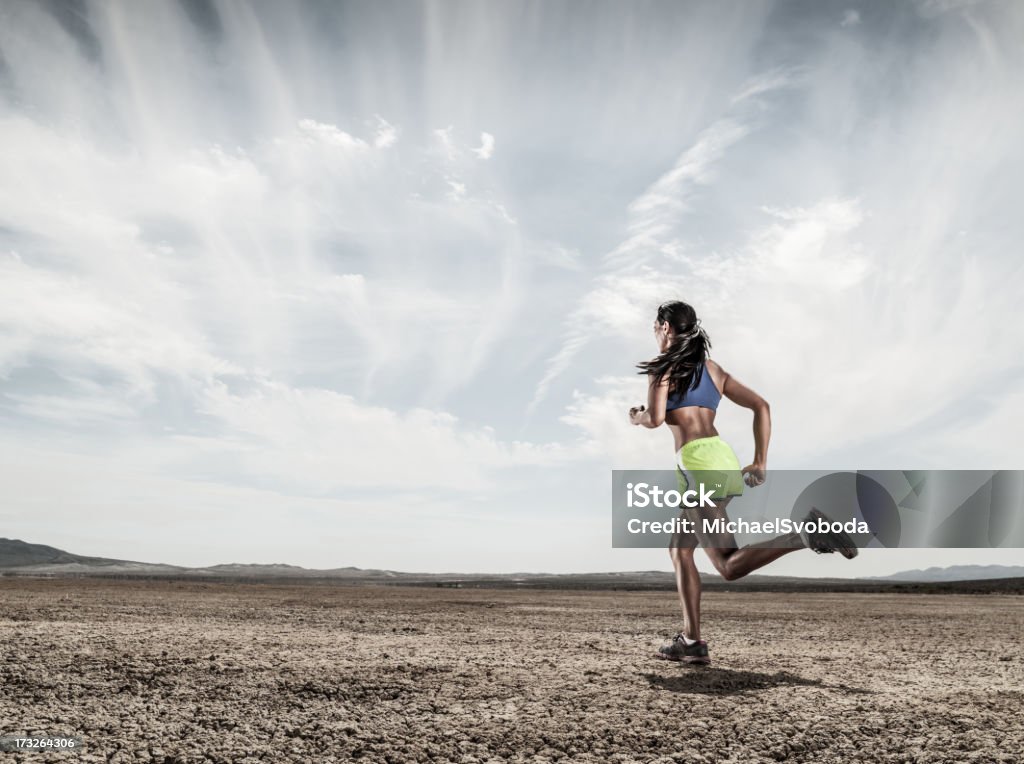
{"type": "Point", "coordinates": [21, 558]}
{"type": "Point", "coordinates": [956, 573]}
{"type": "Point", "coordinates": [15, 553]}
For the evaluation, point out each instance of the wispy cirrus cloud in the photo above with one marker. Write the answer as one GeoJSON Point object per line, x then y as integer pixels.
{"type": "Point", "coordinates": [620, 300]}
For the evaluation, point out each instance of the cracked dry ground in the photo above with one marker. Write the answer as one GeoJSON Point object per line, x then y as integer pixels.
{"type": "Point", "coordinates": [183, 672]}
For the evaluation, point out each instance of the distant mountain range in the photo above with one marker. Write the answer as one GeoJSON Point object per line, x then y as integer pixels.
{"type": "Point", "coordinates": [19, 557]}
{"type": "Point", "coordinates": [956, 573]}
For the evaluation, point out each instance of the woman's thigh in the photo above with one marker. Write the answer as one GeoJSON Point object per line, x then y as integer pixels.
{"type": "Point", "coordinates": [721, 541]}
{"type": "Point", "coordinates": [681, 540]}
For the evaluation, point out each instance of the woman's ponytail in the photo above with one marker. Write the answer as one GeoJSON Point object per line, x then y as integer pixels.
{"type": "Point", "coordinates": [683, 360]}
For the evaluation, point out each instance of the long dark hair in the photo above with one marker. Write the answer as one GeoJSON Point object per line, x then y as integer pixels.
{"type": "Point", "coordinates": [683, 360]}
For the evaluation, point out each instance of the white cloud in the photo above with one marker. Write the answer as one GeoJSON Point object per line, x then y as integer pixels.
{"type": "Point", "coordinates": [386, 134]}
{"type": "Point", "coordinates": [558, 256]}
{"type": "Point", "coordinates": [458, 190]}
{"type": "Point", "coordinates": [330, 135]}
{"type": "Point", "coordinates": [226, 247]}
{"type": "Point", "coordinates": [667, 198]}
{"type": "Point", "coordinates": [446, 142]}
{"type": "Point", "coordinates": [851, 18]}
{"type": "Point", "coordinates": [206, 266]}
{"type": "Point", "coordinates": [609, 436]}
{"type": "Point", "coordinates": [319, 441]}
{"type": "Point", "coordinates": [75, 325]}
{"type": "Point", "coordinates": [486, 148]}
{"type": "Point", "coordinates": [768, 82]}
{"type": "Point", "coordinates": [95, 405]}
{"type": "Point", "coordinates": [932, 8]}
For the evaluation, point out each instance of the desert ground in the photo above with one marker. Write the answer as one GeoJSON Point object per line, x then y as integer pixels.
{"type": "Point", "coordinates": [165, 671]}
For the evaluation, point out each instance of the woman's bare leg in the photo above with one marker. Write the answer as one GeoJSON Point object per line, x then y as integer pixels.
{"type": "Point", "coordinates": [732, 562]}
{"type": "Point", "coordinates": [736, 563]}
{"type": "Point", "coordinates": [688, 586]}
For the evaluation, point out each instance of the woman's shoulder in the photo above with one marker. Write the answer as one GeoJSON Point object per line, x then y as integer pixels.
{"type": "Point", "coordinates": [718, 374]}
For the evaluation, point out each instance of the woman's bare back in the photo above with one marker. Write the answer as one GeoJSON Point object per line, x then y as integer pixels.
{"type": "Point", "coordinates": [693, 422]}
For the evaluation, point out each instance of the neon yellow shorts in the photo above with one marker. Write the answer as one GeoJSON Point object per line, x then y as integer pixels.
{"type": "Point", "coordinates": [712, 462]}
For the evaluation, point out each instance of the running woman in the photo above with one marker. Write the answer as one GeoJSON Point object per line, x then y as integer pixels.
{"type": "Point", "coordinates": [684, 389]}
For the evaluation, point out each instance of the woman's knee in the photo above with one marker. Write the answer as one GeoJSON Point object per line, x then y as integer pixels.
{"type": "Point", "coordinates": [680, 554]}
{"type": "Point", "coordinates": [720, 561]}
{"type": "Point", "coordinates": [728, 573]}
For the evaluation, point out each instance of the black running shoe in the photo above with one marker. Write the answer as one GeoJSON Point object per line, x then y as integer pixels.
{"type": "Point", "coordinates": [678, 650]}
{"type": "Point", "coordinates": [828, 541]}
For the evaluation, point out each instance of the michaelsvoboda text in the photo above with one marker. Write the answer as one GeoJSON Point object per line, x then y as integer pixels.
{"type": "Point", "coordinates": [722, 525]}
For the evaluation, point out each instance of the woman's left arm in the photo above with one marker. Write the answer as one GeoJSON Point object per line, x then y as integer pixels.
{"type": "Point", "coordinates": [653, 415]}
{"type": "Point", "coordinates": [742, 395]}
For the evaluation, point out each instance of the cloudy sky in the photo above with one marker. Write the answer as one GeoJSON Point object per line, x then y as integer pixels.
{"type": "Point", "coordinates": [363, 284]}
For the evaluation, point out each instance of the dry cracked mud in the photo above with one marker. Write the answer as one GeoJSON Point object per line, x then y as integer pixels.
{"type": "Point", "coordinates": [190, 672]}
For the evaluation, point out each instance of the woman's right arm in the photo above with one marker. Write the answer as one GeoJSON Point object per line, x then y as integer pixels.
{"type": "Point", "coordinates": [653, 414]}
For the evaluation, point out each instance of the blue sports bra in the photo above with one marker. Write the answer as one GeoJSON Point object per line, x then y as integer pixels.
{"type": "Point", "coordinates": [704, 394]}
